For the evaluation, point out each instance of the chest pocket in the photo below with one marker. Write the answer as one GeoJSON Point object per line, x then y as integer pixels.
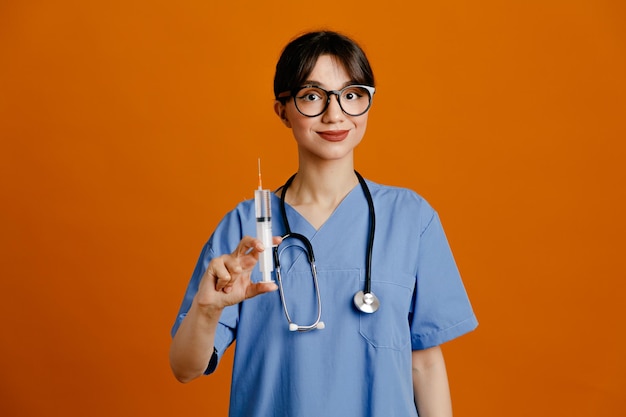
{"type": "Point", "coordinates": [388, 327]}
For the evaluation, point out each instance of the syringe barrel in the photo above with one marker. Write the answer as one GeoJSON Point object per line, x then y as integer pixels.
{"type": "Point", "coordinates": [263, 205]}
{"type": "Point", "coordinates": [263, 212]}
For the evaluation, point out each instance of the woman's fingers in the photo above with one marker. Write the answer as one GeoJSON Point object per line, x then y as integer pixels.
{"type": "Point", "coordinates": [220, 272]}
{"type": "Point", "coordinates": [260, 288]}
{"type": "Point", "coordinates": [227, 270]}
{"type": "Point", "coordinates": [247, 245]}
{"type": "Point", "coordinates": [250, 246]}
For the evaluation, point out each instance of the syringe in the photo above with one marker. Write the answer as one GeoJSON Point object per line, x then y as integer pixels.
{"type": "Point", "coordinates": [263, 209]}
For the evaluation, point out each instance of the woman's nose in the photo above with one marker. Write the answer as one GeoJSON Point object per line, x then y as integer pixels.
{"type": "Point", "coordinates": [333, 113]}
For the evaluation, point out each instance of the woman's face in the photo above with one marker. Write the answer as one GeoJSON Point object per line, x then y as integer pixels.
{"type": "Point", "coordinates": [332, 135]}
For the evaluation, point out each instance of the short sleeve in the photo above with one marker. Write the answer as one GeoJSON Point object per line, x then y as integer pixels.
{"type": "Point", "coordinates": [441, 310]}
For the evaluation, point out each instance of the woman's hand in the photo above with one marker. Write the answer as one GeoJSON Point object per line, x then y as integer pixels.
{"type": "Point", "coordinates": [227, 278]}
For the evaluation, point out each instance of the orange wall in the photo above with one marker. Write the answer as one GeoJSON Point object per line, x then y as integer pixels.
{"type": "Point", "coordinates": [128, 128]}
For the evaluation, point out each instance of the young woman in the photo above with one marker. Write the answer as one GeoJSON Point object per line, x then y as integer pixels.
{"type": "Point", "coordinates": [357, 334]}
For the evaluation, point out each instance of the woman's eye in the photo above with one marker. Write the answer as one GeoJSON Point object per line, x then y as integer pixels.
{"type": "Point", "coordinates": [352, 95]}
{"type": "Point", "coordinates": [311, 96]}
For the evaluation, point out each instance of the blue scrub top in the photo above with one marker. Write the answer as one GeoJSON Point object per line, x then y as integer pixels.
{"type": "Point", "coordinates": [360, 364]}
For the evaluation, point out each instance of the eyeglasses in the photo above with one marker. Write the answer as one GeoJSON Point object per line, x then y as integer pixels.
{"type": "Point", "coordinates": [311, 101]}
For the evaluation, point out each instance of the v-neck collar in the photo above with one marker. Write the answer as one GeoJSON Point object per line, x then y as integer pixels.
{"type": "Point", "coordinates": [299, 224]}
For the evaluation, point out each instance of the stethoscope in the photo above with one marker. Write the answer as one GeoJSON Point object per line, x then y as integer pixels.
{"type": "Point", "coordinates": [364, 300]}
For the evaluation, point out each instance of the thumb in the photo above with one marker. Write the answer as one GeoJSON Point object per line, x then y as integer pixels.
{"type": "Point", "coordinates": [259, 288]}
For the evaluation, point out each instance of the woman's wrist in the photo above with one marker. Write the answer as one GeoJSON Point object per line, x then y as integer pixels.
{"type": "Point", "coordinates": [209, 311]}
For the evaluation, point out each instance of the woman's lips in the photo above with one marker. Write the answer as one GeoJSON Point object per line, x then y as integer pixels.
{"type": "Point", "coordinates": [334, 135]}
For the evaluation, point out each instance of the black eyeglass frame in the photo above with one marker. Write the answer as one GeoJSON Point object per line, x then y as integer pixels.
{"type": "Point", "coordinates": [329, 93]}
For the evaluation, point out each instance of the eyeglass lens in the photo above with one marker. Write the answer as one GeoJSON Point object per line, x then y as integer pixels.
{"type": "Point", "coordinates": [354, 100]}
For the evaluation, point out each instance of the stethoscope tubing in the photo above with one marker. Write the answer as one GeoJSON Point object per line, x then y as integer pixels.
{"type": "Point", "coordinates": [370, 238]}
{"type": "Point", "coordinates": [311, 257]}
{"type": "Point", "coordinates": [364, 300]}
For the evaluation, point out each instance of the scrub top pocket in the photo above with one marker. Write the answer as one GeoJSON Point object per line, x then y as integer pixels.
{"type": "Point", "coordinates": [388, 327]}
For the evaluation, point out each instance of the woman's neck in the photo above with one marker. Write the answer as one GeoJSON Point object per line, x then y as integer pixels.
{"type": "Point", "coordinates": [320, 184]}
{"type": "Point", "coordinates": [316, 192]}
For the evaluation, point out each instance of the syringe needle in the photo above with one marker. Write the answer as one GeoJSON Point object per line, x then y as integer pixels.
{"type": "Point", "coordinates": [260, 182]}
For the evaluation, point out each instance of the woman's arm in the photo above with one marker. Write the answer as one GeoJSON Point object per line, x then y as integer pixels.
{"type": "Point", "coordinates": [430, 383]}
{"type": "Point", "coordinates": [225, 282]}
{"type": "Point", "coordinates": [192, 346]}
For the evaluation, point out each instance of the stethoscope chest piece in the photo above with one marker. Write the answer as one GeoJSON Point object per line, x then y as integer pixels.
{"type": "Point", "coordinates": [366, 302]}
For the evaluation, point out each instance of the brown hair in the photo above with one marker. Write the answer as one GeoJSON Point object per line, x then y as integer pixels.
{"type": "Point", "coordinates": [300, 56]}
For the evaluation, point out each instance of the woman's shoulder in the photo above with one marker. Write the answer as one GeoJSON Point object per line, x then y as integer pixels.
{"type": "Point", "coordinates": [233, 221]}
{"type": "Point", "coordinates": [402, 206]}
{"type": "Point", "coordinates": [397, 194]}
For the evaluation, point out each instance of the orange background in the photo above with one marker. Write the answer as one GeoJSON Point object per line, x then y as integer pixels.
{"type": "Point", "coordinates": [128, 128]}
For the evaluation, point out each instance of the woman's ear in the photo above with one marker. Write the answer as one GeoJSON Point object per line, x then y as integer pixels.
{"type": "Point", "coordinates": [281, 111]}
